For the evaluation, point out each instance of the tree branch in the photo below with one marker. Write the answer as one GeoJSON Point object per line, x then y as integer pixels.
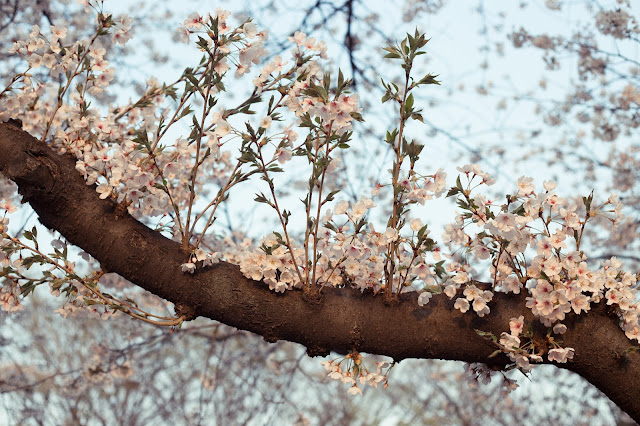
{"type": "Point", "coordinates": [342, 320]}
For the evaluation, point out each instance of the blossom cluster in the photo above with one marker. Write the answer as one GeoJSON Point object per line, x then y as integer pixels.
{"type": "Point", "coordinates": [476, 373]}
{"type": "Point", "coordinates": [8, 197]}
{"type": "Point", "coordinates": [214, 25]}
{"type": "Point", "coordinates": [351, 370]}
{"type": "Point", "coordinates": [522, 349]}
{"type": "Point", "coordinates": [10, 294]}
{"type": "Point", "coordinates": [534, 243]}
{"type": "Point", "coordinates": [341, 247]}
{"type": "Point", "coordinates": [348, 254]}
{"type": "Point", "coordinates": [82, 295]}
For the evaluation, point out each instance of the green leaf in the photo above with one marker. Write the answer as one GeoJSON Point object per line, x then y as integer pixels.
{"type": "Point", "coordinates": [247, 157]}
{"type": "Point", "coordinates": [260, 198]}
{"type": "Point", "coordinates": [331, 195]}
{"type": "Point", "coordinates": [422, 231]}
{"type": "Point", "coordinates": [428, 79]}
{"type": "Point", "coordinates": [409, 102]}
{"type": "Point", "coordinates": [326, 81]}
{"type": "Point", "coordinates": [356, 116]}
{"type": "Point", "coordinates": [417, 116]}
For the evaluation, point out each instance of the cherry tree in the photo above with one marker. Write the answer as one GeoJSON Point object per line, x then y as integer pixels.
{"type": "Point", "coordinates": [507, 286]}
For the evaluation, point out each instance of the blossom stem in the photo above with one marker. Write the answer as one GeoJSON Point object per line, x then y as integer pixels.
{"type": "Point", "coordinates": [392, 250]}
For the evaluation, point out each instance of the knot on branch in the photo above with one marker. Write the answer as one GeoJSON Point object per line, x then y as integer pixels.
{"type": "Point", "coordinates": [313, 298]}
{"type": "Point", "coordinates": [314, 351]}
{"type": "Point", "coordinates": [185, 311]}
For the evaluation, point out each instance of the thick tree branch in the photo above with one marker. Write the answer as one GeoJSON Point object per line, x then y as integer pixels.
{"type": "Point", "coordinates": [342, 320]}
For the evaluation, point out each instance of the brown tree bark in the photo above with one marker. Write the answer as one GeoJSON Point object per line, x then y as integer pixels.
{"type": "Point", "coordinates": [342, 320]}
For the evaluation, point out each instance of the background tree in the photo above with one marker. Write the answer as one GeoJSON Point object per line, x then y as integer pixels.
{"type": "Point", "coordinates": [347, 345]}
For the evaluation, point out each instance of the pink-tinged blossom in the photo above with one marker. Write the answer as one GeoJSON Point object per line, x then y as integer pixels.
{"type": "Point", "coordinates": [391, 235]}
{"type": "Point", "coordinates": [283, 155]}
{"type": "Point", "coordinates": [188, 267]}
{"type": "Point", "coordinates": [194, 21]}
{"type": "Point", "coordinates": [560, 355]}
{"type": "Point", "coordinates": [525, 185]}
{"type": "Point", "coordinates": [58, 33]}
{"type": "Point", "coordinates": [471, 292]}
{"type": "Point", "coordinates": [265, 122]}
{"type": "Point", "coordinates": [222, 128]}
{"type": "Point", "coordinates": [424, 298]}
{"type": "Point", "coordinates": [482, 252]}
{"type": "Point", "coordinates": [182, 34]}
{"type": "Point", "coordinates": [416, 224]}
{"type": "Point", "coordinates": [104, 190]}
{"type": "Point", "coordinates": [298, 38]}
{"type": "Point", "coordinates": [633, 333]}
{"type": "Point", "coordinates": [559, 328]}
{"type": "Point", "coordinates": [461, 304]}
{"type": "Point", "coordinates": [450, 290]}
{"type": "Point", "coordinates": [580, 304]}
{"type": "Point", "coordinates": [461, 277]}
{"type": "Point", "coordinates": [549, 185]}
{"type": "Point", "coordinates": [422, 271]}
{"type": "Point", "coordinates": [250, 29]}
{"type": "Point", "coordinates": [512, 284]}
{"type": "Point", "coordinates": [354, 390]}
{"type": "Point", "coordinates": [341, 207]}
{"type": "Point", "coordinates": [509, 341]}
{"type": "Point", "coordinates": [516, 324]}
{"type": "Point", "coordinates": [480, 306]}
{"type": "Point", "coordinates": [522, 362]}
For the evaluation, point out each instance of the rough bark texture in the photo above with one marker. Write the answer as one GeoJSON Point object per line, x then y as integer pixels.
{"type": "Point", "coordinates": [341, 320]}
